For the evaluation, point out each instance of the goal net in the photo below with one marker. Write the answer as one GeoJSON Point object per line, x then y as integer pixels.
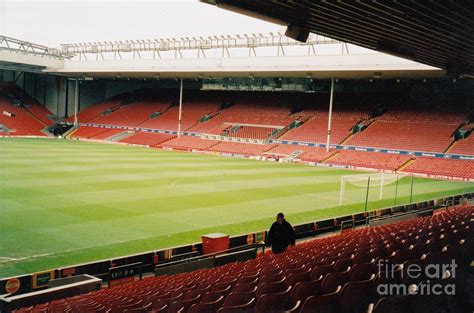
{"type": "Point", "coordinates": [370, 187]}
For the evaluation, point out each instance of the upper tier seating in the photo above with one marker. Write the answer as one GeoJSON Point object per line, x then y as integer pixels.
{"type": "Point", "coordinates": [312, 154]}
{"type": "Point", "coordinates": [190, 143]}
{"type": "Point", "coordinates": [443, 167]}
{"type": "Point", "coordinates": [464, 146]}
{"type": "Point", "coordinates": [191, 114]}
{"type": "Point", "coordinates": [332, 274]}
{"type": "Point", "coordinates": [147, 139]}
{"type": "Point", "coordinates": [93, 112]}
{"type": "Point", "coordinates": [405, 130]}
{"type": "Point", "coordinates": [240, 148]}
{"type": "Point", "coordinates": [316, 129]}
{"type": "Point", "coordinates": [132, 114]}
{"type": "Point", "coordinates": [23, 123]}
{"type": "Point", "coordinates": [248, 113]}
{"type": "Point", "coordinates": [369, 159]}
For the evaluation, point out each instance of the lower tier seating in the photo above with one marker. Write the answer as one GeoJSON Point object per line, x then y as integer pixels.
{"type": "Point", "coordinates": [147, 139]}
{"type": "Point", "coordinates": [375, 160]}
{"type": "Point", "coordinates": [310, 154]}
{"type": "Point", "coordinates": [88, 132]}
{"type": "Point", "coordinates": [338, 273]}
{"type": "Point", "coordinates": [190, 143]}
{"type": "Point", "coordinates": [240, 148]}
{"type": "Point", "coordinates": [442, 167]}
{"type": "Point", "coordinates": [107, 134]}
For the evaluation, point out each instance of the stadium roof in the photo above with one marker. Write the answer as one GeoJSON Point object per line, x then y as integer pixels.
{"type": "Point", "coordinates": [437, 33]}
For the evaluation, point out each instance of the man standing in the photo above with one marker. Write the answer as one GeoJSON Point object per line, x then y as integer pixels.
{"type": "Point", "coordinates": [281, 235]}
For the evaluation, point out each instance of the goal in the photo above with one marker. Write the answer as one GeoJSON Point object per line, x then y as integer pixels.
{"type": "Point", "coordinates": [357, 187]}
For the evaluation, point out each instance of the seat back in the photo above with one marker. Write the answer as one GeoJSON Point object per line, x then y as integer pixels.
{"type": "Point", "coordinates": [356, 296]}
{"type": "Point", "coordinates": [321, 270]}
{"type": "Point", "coordinates": [243, 308]}
{"type": "Point", "coordinates": [342, 264]}
{"type": "Point", "coordinates": [326, 303]}
{"type": "Point", "coordinates": [269, 288]}
{"type": "Point", "coordinates": [362, 271]}
{"type": "Point", "coordinates": [333, 280]}
{"type": "Point", "coordinates": [208, 307]}
{"type": "Point", "coordinates": [303, 290]}
{"type": "Point", "coordinates": [274, 302]}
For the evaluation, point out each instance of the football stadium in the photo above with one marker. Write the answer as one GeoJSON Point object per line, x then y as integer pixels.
{"type": "Point", "coordinates": [145, 175]}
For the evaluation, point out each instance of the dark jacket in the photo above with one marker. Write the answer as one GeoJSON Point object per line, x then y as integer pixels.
{"type": "Point", "coordinates": [281, 235]}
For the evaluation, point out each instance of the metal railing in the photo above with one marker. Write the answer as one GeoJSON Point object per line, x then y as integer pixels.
{"type": "Point", "coordinates": [21, 46]}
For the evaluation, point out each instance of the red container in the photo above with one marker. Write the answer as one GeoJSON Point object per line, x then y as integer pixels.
{"type": "Point", "coordinates": [216, 242]}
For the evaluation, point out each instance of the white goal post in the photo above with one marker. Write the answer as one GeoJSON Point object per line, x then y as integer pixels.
{"type": "Point", "coordinates": [368, 181]}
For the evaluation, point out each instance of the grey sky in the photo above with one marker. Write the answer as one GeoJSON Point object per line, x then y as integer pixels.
{"type": "Point", "coordinates": [53, 22]}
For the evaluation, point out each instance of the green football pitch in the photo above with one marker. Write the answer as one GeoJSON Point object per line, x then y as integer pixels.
{"type": "Point", "coordinates": [66, 202]}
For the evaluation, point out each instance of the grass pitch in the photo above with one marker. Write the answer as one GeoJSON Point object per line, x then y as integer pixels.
{"type": "Point", "coordinates": [68, 202]}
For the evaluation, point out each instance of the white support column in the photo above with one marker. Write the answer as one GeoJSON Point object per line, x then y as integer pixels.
{"type": "Point", "coordinates": [180, 107]}
{"type": "Point", "coordinates": [76, 102]}
{"type": "Point", "coordinates": [331, 96]}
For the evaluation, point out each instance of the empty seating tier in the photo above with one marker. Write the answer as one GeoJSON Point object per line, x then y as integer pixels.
{"type": "Point", "coordinates": [190, 143]}
{"type": "Point", "coordinates": [18, 120]}
{"type": "Point", "coordinates": [311, 154]}
{"type": "Point", "coordinates": [252, 132]}
{"type": "Point", "coordinates": [147, 139]}
{"type": "Point", "coordinates": [442, 167]}
{"type": "Point", "coordinates": [464, 146]}
{"type": "Point", "coordinates": [333, 274]}
{"type": "Point", "coordinates": [93, 112]}
{"type": "Point", "coordinates": [316, 129]}
{"type": "Point", "coordinates": [240, 148]}
{"type": "Point", "coordinates": [248, 113]}
{"type": "Point", "coordinates": [88, 132]}
{"type": "Point", "coordinates": [370, 159]}
{"type": "Point", "coordinates": [430, 132]}
{"type": "Point", "coordinates": [132, 114]}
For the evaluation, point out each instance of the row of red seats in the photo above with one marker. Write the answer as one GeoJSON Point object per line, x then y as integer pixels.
{"type": "Point", "coordinates": [132, 114]}
{"type": "Point", "coordinates": [88, 132]}
{"type": "Point", "coordinates": [413, 116]}
{"type": "Point", "coordinates": [310, 154]}
{"type": "Point", "coordinates": [423, 134]}
{"type": "Point", "coordinates": [375, 160]}
{"type": "Point", "coordinates": [248, 113]}
{"type": "Point", "coordinates": [332, 274]}
{"type": "Point", "coordinates": [240, 148]}
{"type": "Point", "coordinates": [147, 139]}
{"type": "Point", "coordinates": [21, 122]}
{"type": "Point", "coordinates": [94, 112]}
{"type": "Point", "coordinates": [252, 132]}
{"type": "Point", "coordinates": [190, 117]}
{"type": "Point", "coordinates": [464, 146]}
{"type": "Point", "coordinates": [315, 129]}
{"type": "Point", "coordinates": [190, 143]}
{"type": "Point", "coordinates": [443, 167]}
